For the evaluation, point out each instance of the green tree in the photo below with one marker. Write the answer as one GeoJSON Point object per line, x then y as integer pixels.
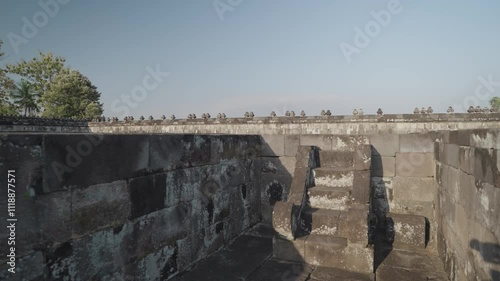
{"type": "Point", "coordinates": [39, 72]}
{"type": "Point", "coordinates": [495, 103]}
{"type": "Point", "coordinates": [6, 85]}
{"type": "Point", "coordinates": [25, 98]}
{"type": "Point", "coordinates": [71, 95]}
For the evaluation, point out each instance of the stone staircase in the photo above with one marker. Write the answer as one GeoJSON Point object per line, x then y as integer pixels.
{"type": "Point", "coordinates": [330, 225]}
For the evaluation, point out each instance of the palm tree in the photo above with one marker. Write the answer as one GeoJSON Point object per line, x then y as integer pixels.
{"type": "Point", "coordinates": [25, 97]}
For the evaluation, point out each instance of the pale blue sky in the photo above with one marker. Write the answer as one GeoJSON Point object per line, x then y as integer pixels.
{"type": "Point", "coordinates": [269, 55]}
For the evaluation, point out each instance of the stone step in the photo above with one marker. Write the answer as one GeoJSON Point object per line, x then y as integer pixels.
{"type": "Point", "coordinates": [330, 251]}
{"type": "Point", "coordinates": [328, 273]}
{"type": "Point", "coordinates": [406, 231]}
{"type": "Point", "coordinates": [409, 265]}
{"type": "Point", "coordinates": [321, 221]}
{"type": "Point", "coordinates": [351, 224]}
{"type": "Point", "coordinates": [324, 197]}
{"type": "Point", "coordinates": [333, 177]}
{"type": "Point", "coordinates": [336, 159]}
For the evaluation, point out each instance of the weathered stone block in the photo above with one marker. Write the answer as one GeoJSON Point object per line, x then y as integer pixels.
{"type": "Point", "coordinates": [327, 273]}
{"type": "Point", "coordinates": [191, 249]}
{"type": "Point", "coordinates": [348, 142]}
{"type": "Point", "coordinates": [466, 159]}
{"type": "Point", "coordinates": [353, 224]}
{"type": "Point", "coordinates": [416, 143]}
{"type": "Point", "coordinates": [54, 216]}
{"type": "Point", "coordinates": [409, 230]}
{"type": "Point", "coordinates": [302, 158]}
{"type": "Point", "coordinates": [460, 137]}
{"type": "Point", "coordinates": [273, 145]}
{"type": "Point", "coordinates": [485, 138]}
{"type": "Point", "coordinates": [300, 183]}
{"type": "Point", "coordinates": [167, 153]}
{"type": "Point", "coordinates": [99, 206]}
{"type": "Point", "coordinates": [285, 219]}
{"type": "Point", "coordinates": [281, 166]}
{"type": "Point", "coordinates": [329, 198]}
{"type": "Point", "coordinates": [414, 189]}
{"type": "Point", "coordinates": [385, 144]}
{"type": "Point", "coordinates": [452, 155]}
{"type": "Point", "coordinates": [85, 160]}
{"type": "Point", "coordinates": [332, 178]}
{"type": "Point", "coordinates": [486, 166]}
{"type": "Point", "coordinates": [321, 221]}
{"type": "Point", "coordinates": [383, 166]}
{"type": "Point", "coordinates": [273, 189]}
{"type": "Point", "coordinates": [149, 233]}
{"type": "Point", "coordinates": [23, 154]}
{"type": "Point", "coordinates": [147, 194]}
{"type": "Point", "coordinates": [412, 263]}
{"type": "Point", "coordinates": [326, 250]}
{"type": "Point", "coordinates": [362, 157]}
{"type": "Point", "coordinates": [421, 208]}
{"type": "Point", "coordinates": [361, 187]}
{"type": "Point", "coordinates": [387, 273]}
{"type": "Point", "coordinates": [336, 159]}
{"type": "Point", "coordinates": [181, 185]}
{"type": "Point", "coordinates": [324, 142]}
{"type": "Point", "coordinates": [235, 147]}
{"type": "Point", "coordinates": [289, 250]}
{"type": "Point", "coordinates": [415, 164]}
{"type": "Point", "coordinates": [292, 143]}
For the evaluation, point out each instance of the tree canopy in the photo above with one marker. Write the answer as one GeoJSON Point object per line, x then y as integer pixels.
{"type": "Point", "coordinates": [6, 86]}
{"type": "Point", "coordinates": [495, 103]}
{"type": "Point", "coordinates": [71, 94]}
{"type": "Point", "coordinates": [47, 86]}
{"type": "Point", "coordinates": [39, 72]}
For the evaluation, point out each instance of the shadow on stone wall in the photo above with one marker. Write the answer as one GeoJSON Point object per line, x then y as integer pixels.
{"type": "Point", "coordinates": [384, 232]}
{"type": "Point", "coordinates": [490, 252]}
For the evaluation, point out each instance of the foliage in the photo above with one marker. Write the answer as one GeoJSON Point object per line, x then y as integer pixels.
{"type": "Point", "coordinates": [495, 103]}
{"type": "Point", "coordinates": [25, 98]}
{"type": "Point", "coordinates": [39, 72]}
{"type": "Point", "coordinates": [6, 85]}
{"type": "Point", "coordinates": [71, 95]}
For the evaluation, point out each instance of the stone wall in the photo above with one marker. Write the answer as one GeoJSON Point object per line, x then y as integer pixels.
{"type": "Point", "coordinates": [403, 177]}
{"type": "Point", "coordinates": [94, 207]}
{"type": "Point", "coordinates": [467, 168]}
{"type": "Point", "coordinates": [337, 125]}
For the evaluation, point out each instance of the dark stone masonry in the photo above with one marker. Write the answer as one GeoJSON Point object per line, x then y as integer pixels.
{"type": "Point", "coordinates": [362, 197]}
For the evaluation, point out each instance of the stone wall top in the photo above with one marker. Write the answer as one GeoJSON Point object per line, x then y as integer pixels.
{"type": "Point", "coordinates": [325, 124]}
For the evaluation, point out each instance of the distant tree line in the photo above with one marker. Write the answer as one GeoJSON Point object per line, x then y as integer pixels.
{"type": "Point", "coordinates": [44, 86]}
